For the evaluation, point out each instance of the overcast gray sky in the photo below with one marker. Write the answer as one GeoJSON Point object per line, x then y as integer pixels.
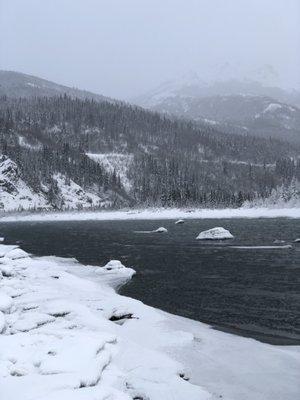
{"type": "Point", "coordinates": [122, 48]}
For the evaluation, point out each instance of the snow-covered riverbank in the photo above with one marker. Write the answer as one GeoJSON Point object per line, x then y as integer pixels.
{"type": "Point", "coordinates": [66, 334]}
{"type": "Point", "coordinates": [165, 213]}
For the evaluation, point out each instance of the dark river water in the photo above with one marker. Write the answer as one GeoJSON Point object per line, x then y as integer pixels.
{"type": "Point", "coordinates": [251, 292]}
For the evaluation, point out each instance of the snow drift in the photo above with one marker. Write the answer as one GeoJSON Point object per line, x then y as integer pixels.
{"type": "Point", "coordinates": [66, 334]}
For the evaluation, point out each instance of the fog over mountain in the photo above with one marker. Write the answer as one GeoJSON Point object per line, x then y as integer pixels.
{"type": "Point", "coordinates": [236, 106]}
{"type": "Point", "coordinates": [217, 89]}
{"type": "Point", "coordinates": [123, 49]}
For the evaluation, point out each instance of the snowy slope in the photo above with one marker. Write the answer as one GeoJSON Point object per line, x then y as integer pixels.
{"type": "Point", "coordinates": [15, 194]}
{"type": "Point", "coordinates": [118, 162]}
{"type": "Point", "coordinates": [66, 334]}
{"type": "Point", "coordinates": [72, 196]}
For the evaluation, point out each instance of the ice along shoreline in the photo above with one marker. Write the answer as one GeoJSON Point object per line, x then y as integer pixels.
{"type": "Point", "coordinates": [67, 334]}
{"type": "Point", "coordinates": [154, 214]}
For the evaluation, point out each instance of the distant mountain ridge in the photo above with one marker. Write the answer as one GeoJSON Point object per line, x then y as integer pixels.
{"type": "Point", "coordinates": [191, 85]}
{"type": "Point", "coordinates": [16, 84]}
{"type": "Point", "coordinates": [245, 107]}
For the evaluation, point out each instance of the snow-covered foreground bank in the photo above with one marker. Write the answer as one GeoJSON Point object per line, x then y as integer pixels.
{"type": "Point", "coordinates": [156, 214]}
{"type": "Point", "coordinates": [66, 334]}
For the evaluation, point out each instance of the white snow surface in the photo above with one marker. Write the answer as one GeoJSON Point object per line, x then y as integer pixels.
{"type": "Point", "coordinates": [74, 196]}
{"type": "Point", "coordinates": [118, 162]}
{"type": "Point", "coordinates": [57, 342]}
{"type": "Point", "coordinates": [217, 233]}
{"type": "Point", "coordinates": [272, 107]}
{"type": "Point", "coordinates": [15, 194]}
{"type": "Point", "coordinates": [158, 214]}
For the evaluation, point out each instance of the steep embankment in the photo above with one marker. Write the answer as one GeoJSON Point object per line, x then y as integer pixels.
{"type": "Point", "coordinates": [17, 195]}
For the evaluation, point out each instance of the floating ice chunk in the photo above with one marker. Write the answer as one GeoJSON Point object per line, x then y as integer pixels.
{"type": "Point", "coordinates": [287, 246]}
{"type": "Point", "coordinates": [16, 254]}
{"type": "Point", "coordinates": [161, 229]}
{"type": "Point", "coordinates": [180, 221]}
{"type": "Point", "coordinates": [277, 241]}
{"type": "Point", "coordinates": [1, 239]}
{"type": "Point", "coordinates": [217, 233]}
{"type": "Point", "coordinates": [5, 302]}
{"type": "Point", "coordinates": [297, 240]}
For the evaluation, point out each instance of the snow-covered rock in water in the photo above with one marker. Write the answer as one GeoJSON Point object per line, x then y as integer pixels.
{"type": "Point", "coordinates": [217, 233]}
{"type": "Point", "coordinates": [15, 194]}
{"type": "Point", "coordinates": [16, 254]}
{"type": "Point", "coordinates": [180, 221]}
{"type": "Point", "coordinates": [297, 240]}
{"type": "Point", "coordinates": [161, 229]}
{"type": "Point", "coordinates": [6, 302]}
{"type": "Point", "coordinates": [113, 265]}
{"type": "Point", "coordinates": [1, 239]}
{"type": "Point", "coordinates": [115, 273]}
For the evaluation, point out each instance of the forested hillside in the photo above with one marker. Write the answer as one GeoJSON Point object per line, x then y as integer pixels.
{"type": "Point", "coordinates": [15, 84]}
{"type": "Point", "coordinates": [59, 145]}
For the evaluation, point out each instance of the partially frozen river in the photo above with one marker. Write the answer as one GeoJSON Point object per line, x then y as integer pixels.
{"type": "Point", "coordinates": [250, 291]}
